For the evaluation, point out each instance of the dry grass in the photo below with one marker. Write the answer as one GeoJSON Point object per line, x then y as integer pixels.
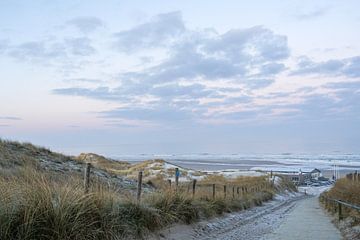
{"type": "Point", "coordinates": [101, 162]}
{"type": "Point", "coordinates": [39, 204]}
{"type": "Point", "coordinates": [35, 206]}
{"type": "Point", "coordinates": [286, 184]}
{"type": "Point", "coordinates": [348, 191]}
{"type": "Point", "coordinates": [131, 170]}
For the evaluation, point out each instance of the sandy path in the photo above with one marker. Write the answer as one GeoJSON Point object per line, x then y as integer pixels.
{"type": "Point", "coordinates": [306, 221]}
{"type": "Point", "coordinates": [296, 217]}
{"type": "Point", "coordinates": [251, 224]}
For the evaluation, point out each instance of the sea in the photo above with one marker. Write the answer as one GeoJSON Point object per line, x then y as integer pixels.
{"type": "Point", "coordinates": [283, 161]}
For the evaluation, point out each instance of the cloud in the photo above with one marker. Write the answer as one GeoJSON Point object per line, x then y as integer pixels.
{"type": "Point", "coordinates": [176, 90]}
{"type": "Point", "coordinates": [73, 126]}
{"type": "Point", "coordinates": [157, 32]}
{"type": "Point", "coordinates": [351, 86]}
{"type": "Point", "coordinates": [51, 50]}
{"type": "Point", "coordinates": [312, 14]}
{"type": "Point", "coordinates": [165, 92]}
{"type": "Point", "coordinates": [85, 24]}
{"type": "Point", "coordinates": [102, 93]}
{"type": "Point", "coordinates": [347, 97]}
{"type": "Point", "coordinates": [80, 46]}
{"type": "Point", "coordinates": [255, 83]}
{"type": "Point", "coordinates": [348, 67]}
{"type": "Point", "coordinates": [272, 69]}
{"type": "Point", "coordinates": [235, 54]}
{"type": "Point", "coordinates": [160, 114]}
{"type": "Point", "coordinates": [321, 107]}
{"type": "Point", "coordinates": [352, 67]}
{"type": "Point", "coordinates": [175, 87]}
{"type": "Point", "coordinates": [206, 76]}
{"type": "Point", "coordinates": [83, 80]}
{"type": "Point", "coordinates": [4, 44]}
{"type": "Point", "coordinates": [10, 118]}
{"type": "Point", "coordinates": [257, 44]}
{"type": "Point", "coordinates": [37, 50]}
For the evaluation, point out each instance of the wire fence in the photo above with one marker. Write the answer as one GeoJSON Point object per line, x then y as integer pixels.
{"type": "Point", "coordinates": [201, 190]}
{"type": "Point", "coordinates": [353, 176]}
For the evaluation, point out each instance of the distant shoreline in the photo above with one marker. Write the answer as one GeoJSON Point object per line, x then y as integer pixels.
{"type": "Point", "coordinates": [222, 164]}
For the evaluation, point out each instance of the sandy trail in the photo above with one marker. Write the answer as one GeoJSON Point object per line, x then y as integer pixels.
{"type": "Point", "coordinates": [295, 217]}
{"type": "Point", "coordinates": [306, 221]}
{"type": "Point", "coordinates": [250, 224]}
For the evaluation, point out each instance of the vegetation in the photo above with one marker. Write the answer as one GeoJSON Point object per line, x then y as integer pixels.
{"type": "Point", "coordinates": [15, 154]}
{"type": "Point", "coordinates": [34, 205]}
{"type": "Point", "coordinates": [348, 191]}
{"type": "Point", "coordinates": [103, 163]}
{"type": "Point", "coordinates": [38, 204]}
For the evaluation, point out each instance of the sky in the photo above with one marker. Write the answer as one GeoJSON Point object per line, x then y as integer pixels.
{"type": "Point", "coordinates": [177, 77]}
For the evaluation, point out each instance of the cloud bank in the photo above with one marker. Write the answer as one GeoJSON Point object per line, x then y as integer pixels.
{"type": "Point", "coordinates": [189, 76]}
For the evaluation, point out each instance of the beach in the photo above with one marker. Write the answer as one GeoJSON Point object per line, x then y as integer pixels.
{"type": "Point", "coordinates": [345, 163]}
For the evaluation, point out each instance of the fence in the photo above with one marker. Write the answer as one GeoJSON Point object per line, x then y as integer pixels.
{"type": "Point", "coordinates": [201, 190]}
{"type": "Point", "coordinates": [337, 206]}
{"type": "Point", "coordinates": [353, 176]}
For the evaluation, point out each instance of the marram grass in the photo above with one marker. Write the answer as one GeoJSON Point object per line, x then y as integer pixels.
{"type": "Point", "coordinates": [38, 205]}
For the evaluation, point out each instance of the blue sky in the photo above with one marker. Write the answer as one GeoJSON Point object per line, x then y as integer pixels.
{"type": "Point", "coordinates": [130, 77]}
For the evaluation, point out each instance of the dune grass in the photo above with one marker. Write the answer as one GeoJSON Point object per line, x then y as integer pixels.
{"type": "Point", "coordinates": [34, 206]}
{"type": "Point", "coordinates": [39, 205]}
{"type": "Point", "coordinates": [348, 191]}
{"type": "Point", "coordinates": [36, 203]}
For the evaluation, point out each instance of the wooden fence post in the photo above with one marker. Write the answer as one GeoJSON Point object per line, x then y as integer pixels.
{"type": "Point", "coordinates": [356, 176]}
{"type": "Point", "coordinates": [237, 191]}
{"type": "Point", "coordinates": [340, 211]}
{"type": "Point", "coordinates": [233, 192]}
{"type": "Point", "coordinates": [138, 198]}
{"type": "Point", "coordinates": [213, 191]}
{"type": "Point", "coordinates": [87, 177]}
{"type": "Point", "coordinates": [224, 191]}
{"type": "Point", "coordinates": [177, 174]}
{"type": "Point", "coordinates": [169, 181]}
{"type": "Point", "coordinates": [193, 188]}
